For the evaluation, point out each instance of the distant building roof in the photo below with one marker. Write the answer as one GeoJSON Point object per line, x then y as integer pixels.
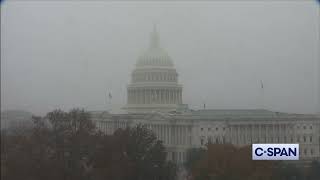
{"type": "Point", "coordinates": [210, 114]}
{"type": "Point", "coordinates": [245, 113]}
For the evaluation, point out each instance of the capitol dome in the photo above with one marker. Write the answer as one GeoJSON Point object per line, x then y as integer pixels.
{"type": "Point", "coordinates": [154, 81]}
{"type": "Point", "coordinates": [155, 55]}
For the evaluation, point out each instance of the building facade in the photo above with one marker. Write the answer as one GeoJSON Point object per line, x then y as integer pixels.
{"type": "Point", "coordinates": [154, 98]}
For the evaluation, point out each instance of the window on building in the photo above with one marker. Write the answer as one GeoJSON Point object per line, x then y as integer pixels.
{"type": "Point", "coordinates": [311, 151]}
{"type": "Point", "coordinates": [305, 151]}
{"type": "Point", "coordinates": [304, 139]}
{"type": "Point", "coordinates": [310, 127]}
{"type": "Point", "coordinates": [201, 129]}
{"type": "Point", "coordinates": [304, 127]}
{"type": "Point", "coordinates": [310, 138]}
{"type": "Point", "coordinates": [201, 141]}
{"type": "Point", "coordinates": [217, 129]}
{"type": "Point", "coordinates": [224, 128]}
{"type": "Point", "coordinates": [209, 129]}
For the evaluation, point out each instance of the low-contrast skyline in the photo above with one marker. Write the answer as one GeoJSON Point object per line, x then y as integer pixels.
{"type": "Point", "coordinates": [71, 54]}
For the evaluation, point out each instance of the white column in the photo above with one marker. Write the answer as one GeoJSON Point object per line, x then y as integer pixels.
{"type": "Point", "coordinates": [167, 134]}
{"type": "Point", "coordinates": [181, 134]}
{"type": "Point", "coordinates": [267, 132]}
{"type": "Point", "coordinates": [177, 97]}
{"type": "Point", "coordinates": [260, 133]}
{"type": "Point", "coordinates": [128, 96]}
{"type": "Point", "coordinates": [143, 96]}
{"type": "Point", "coordinates": [167, 99]}
{"type": "Point", "coordinates": [173, 134]}
{"type": "Point", "coordinates": [137, 96]}
{"type": "Point", "coordinates": [132, 97]}
{"type": "Point", "coordinates": [180, 139]}
{"type": "Point", "coordinates": [128, 100]}
{"type": "Point", "coordinates": [273, 133]}
{"type": "Point", "coordinates": [149, 96]}
{"type": "Point", "coordinates": [140, 98]}
{"type": "Point", "coordinates": [153, 96]}
{"type": "Point", "coordinates": [238, 134]}
{"type": "Point", "coordinates": [184, 135]}
{"type": "Point", "coordinates": [172, 96]}
{"type": "Point", "coordinates": [161, 131]}
{"type": "Point", "coordinates": [178, 133]}
{"type": "Point", "coordinates": [231, 135]}
{"type": "Point", "coordinates": [163, 96]}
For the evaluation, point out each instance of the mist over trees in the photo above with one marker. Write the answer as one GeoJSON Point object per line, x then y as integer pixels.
{"type": "Point", "coordinates": [66, 145]}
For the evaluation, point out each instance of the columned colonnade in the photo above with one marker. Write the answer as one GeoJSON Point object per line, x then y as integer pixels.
{"type": "Point", "coordinates": [154, 96]}
{"type": "Point", "coordinates": [261, 133]}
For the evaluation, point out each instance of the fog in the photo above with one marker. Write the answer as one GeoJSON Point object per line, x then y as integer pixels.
{"type": "Point", "coordinates": [72, 54]}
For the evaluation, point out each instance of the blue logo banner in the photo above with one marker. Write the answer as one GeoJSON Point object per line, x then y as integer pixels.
{"type": "Point", "coordinates": [275, 151]}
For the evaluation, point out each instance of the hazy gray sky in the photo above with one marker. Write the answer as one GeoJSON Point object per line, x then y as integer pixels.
{"type": "Point", "coordinates": [70, 54]}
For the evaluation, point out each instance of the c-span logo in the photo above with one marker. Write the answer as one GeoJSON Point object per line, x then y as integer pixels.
{"type": "Point", "coordinates": [275, 151]}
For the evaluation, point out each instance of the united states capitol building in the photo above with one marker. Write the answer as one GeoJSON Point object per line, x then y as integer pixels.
{"type": "Point", "coordinates": [154, 98]}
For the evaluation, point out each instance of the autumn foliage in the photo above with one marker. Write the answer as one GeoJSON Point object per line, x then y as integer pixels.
{"type": "Point", "coordinates": [227, 162]}
{"type": "Point", "coordinates": [66, 146]}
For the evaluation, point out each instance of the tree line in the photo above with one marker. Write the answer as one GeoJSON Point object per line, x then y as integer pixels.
{"type": "Point", "coordinates": [227, 162]}
{"type": "Point", "coordinates": [66, 146]}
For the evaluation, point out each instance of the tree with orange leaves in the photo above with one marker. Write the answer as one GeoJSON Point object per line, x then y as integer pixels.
{"type": "Point", "coordinates": [227, 162]}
